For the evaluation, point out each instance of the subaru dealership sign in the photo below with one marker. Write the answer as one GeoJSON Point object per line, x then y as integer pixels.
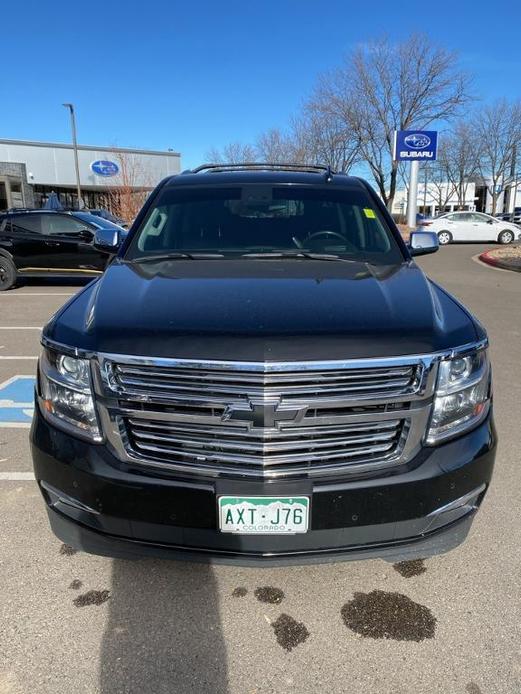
{"type": "Point", "coordinates": [415, 145]}
{"type": "Point", "coordinates": [102, 167]}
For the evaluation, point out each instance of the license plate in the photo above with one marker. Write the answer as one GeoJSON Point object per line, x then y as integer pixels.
{"type": "Point", "coordinates": [263, 515]}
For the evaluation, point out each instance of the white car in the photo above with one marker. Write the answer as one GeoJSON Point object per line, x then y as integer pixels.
{"type": "Point", "coordinates": [471, 226]}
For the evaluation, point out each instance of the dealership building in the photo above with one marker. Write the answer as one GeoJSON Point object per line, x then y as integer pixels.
{"type": "Point", "coordinates": [438, 198]}
{"type": "Point", "coordinates": [29, 171]}
{"type": "Point", "coordinates": [434, 199]}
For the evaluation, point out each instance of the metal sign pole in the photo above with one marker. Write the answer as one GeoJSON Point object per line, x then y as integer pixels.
{"type": "Point", "coordinates": [412, 203]}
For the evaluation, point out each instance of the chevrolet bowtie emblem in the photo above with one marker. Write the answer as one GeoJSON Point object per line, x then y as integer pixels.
{"type": "Point", "coordinates": [263, 415]}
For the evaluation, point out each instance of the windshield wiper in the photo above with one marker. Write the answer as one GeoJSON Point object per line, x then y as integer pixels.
{"type": "Point", "coordinates": [209, 256]}
{"type": "Point", "coordinates": [298, 255]}
{"type": "Point", "coordinates": [175, 256]}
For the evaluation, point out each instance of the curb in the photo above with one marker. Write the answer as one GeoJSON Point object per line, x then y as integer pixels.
{"type": "Point", "coordinates": [502, 263]}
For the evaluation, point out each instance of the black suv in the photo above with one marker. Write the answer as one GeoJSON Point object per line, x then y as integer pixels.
{"type": "Point", "coordinates": [263, 373]}
{"type": "Point", "coordinates": [40, 243]}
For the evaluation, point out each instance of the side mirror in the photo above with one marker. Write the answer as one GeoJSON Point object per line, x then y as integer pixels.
{"type": "Point", "coordinates": [107, 240]}
{"type": "Point", "coordinates": [423, 242]}
{"type": "Point", "coordinates": [86, 234]}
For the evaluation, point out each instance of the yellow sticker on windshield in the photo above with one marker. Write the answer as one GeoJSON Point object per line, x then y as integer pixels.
{"type": "Point", "coordinates": [369, 213]}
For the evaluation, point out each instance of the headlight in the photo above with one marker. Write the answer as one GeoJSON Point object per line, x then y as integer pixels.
{"type": "Point", "coordinates": [66, 394]}
{"type": "Point", "coordinates": [462, 397]}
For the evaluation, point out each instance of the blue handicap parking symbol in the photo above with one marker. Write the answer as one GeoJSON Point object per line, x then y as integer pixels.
{"type": "Point", "coordinates": [17, 401]}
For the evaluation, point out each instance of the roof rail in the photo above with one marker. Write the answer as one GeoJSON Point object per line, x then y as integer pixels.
{"type": "Point", "coordinates": [24, 210]}
{"type": "Point", "coordinates": [266, 166]}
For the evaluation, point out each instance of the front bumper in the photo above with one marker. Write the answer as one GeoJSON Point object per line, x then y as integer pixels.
{"type": "Point", "coordinates": [98, 504]}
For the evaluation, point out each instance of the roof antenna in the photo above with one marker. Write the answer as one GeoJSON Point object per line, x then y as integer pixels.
{"type": "Point", "coordinates": [328, 175]}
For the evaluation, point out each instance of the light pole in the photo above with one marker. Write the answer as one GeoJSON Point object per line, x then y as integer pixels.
{"type": "Point", "coordinates": [413, 195]}
{"type": "Point", "coordinates": [425, 192]}
{"type": "Point", "coordinates": [512, 194]}
{"type": "Point", "coordinates": [75, 147]}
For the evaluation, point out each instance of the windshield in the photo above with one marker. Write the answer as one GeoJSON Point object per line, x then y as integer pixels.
{"type": "Point", "coordinates": [251, 220]}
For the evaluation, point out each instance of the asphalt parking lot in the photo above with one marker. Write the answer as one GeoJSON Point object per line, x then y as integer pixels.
{"type": "Point", "coordinates": [70, 622]}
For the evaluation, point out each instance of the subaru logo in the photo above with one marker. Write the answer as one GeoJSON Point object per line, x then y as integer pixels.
{"type": "Point", "coordinates": [102, 167]}
{"type": "Point", "coordinates": [263, 414]}
{"type": "Point", "coordinates": [417, 141]}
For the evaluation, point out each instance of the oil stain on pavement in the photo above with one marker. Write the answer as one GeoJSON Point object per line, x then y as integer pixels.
{"type": "Point", "coordinates": [408, 569]}
{"type": "Point", "coordinates": [472, 688]}
{"type": "Point", "coordinates": [288, 632]}
{"type": "Point", "coordinates": [269, 594]}
{"type": "Point", "coordinates": [239, 592]}
{"type": "Point", "coordinates": [67, 550]}
{"type": "Point", "coordinates": [92, 597]}
{"type": "Point", "coordinates": [383, 615]}
{"type": "Point", "coordinates": [76, 584]}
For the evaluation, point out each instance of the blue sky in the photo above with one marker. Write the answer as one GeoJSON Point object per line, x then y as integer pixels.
{"type": "Point", "coordinates": [192, 75]}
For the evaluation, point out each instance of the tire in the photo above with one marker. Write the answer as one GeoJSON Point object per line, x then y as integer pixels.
{"type": "Point", "coordinates": [7, 274]}
{"type": "Point", "coordinates": [506, 236]}
{"type": "Point", "coordinates": [444, 238]}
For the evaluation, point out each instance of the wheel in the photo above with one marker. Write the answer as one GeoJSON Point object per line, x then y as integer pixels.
{"type": "Point", "coordinates": [506, 236]}
{"type": "Point", "coordinates": [7, 274]}
{"type": "Point", "coordinates": [444, 237]}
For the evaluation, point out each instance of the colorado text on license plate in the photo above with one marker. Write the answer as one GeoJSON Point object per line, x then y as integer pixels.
{"type": "Point", "coordinates": [263, 515]}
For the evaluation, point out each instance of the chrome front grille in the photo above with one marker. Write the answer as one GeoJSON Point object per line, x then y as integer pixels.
{"type": "Point", "coordinates": [291, 445]}
{"type": "Point", "coordinates": [265, 419]}
{"type": "Point", "coordinates": [189, 383]}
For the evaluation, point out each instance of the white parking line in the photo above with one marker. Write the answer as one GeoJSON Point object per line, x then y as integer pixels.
{"type": "Point", "coordinates": [15, 425]}
{"type": "Point", "coordinates": [16, 476]}
{"type": "Point", "coordinates": [11, 358]}
{"type": "Point", "coordinates": [15, 378]}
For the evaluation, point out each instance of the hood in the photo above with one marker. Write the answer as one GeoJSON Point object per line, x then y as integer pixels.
{"type": "Point", "coordinates": [262, 310]}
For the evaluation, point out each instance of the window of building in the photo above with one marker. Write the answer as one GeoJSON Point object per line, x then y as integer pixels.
{"type": "Point", "coordinates": [3, 196]}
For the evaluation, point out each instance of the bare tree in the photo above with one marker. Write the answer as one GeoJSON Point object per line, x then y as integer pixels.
{"type": "Point", "coordinates": [458, 160]}
{"type": "Point", "coordinates": [232, 153]}
{"type": "Point", "coordinates": [320, 137]}
{"type": "Point", "coordinates": [383, 87]}
{"type": "Point", "coordinates": [439, 186]}
{"type": "Point", "coordinates": [498, 127]}
{"type": "Point", "coordinates": [275, 146]}
{"type": "Point", "coordinates": [131, 186]}
{"type": "Point", "coordinates": [316, 137]}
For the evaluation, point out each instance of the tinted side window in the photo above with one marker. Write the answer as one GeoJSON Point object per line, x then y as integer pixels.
{"type": "Point", "coordinates": [61, 225]}
{"type": "Point", "coordinates": [463, 217]}
{"type": "Point", "coordinates": [26, 224]}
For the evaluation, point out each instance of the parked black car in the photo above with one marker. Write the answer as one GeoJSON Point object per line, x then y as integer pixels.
{"type": "Point", "coordinates": [514, 216]}
{"type": "Point", "coordinates": [43, 243]}
{"type": "Point", "coordinates": [264, 374]}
